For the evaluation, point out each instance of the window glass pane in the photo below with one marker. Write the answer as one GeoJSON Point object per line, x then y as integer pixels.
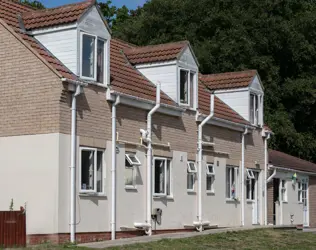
{"type": "Point", "coordinates": [190, 181]}
{"type": "Point", "coordinates": [88, 45]}
{"type": "Point", "coordinates": [192, 80]}
{"type": "Point", "coordinates": [228, 182]}
{"type": "Point", "coordinates": [253, 183]}
{"type": "Point", "coordinates": [100, 171]}
{"type": "Point", "coordinates": [87, 170]}
{"type": "Point", "coordinates": [210, 183]}
{"type": "Point", "coordinates": [168, 178]}
{"type": "Point", "coordinates": [129, 174]}
{"type": "Point", "coordinates": [184, 86]}
{"type": "Point", "coordinates": [159, 176]}
{"type": "Point", "coordinates": [100, 61]}
{"type": "Point", "coordinates": [252, 97]}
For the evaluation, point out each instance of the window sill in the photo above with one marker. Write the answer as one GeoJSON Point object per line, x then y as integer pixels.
{"type": "Point", "coordinates": [160, 197]}
{"type": "Point", "coordinates": [210, 192]}
{"type": "Point", "coordinates": [91, 81]}
{"type": "Point", "coordinates": [191, 192]}
{"type": "Point", "coordinates": [229, 200]}
{"type": "Point", "coordinates": [130, 188]}
{"type": "Point", "coordinates": [250, 201]}
{"type": "Point", "coordinates": [92, 194]}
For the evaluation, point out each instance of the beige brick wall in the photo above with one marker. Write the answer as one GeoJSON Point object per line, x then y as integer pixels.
{"type": "Point", "coordinates": [312, 201]}
{"type": "Point", "coordinates": [30, 91]}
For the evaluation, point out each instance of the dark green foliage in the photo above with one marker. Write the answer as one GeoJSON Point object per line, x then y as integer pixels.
{"type": "Point", "coordinates": [34, 4]}
{"type": "Point", "coordinates": [276, 37]}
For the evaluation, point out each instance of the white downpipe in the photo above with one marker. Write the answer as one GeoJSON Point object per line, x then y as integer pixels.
{"type": "Point", "coordinates": [200, 154]}
{"type": "Point", "coordinates": [113, 169]}
{"type": "Point", "coordinates": [243, 177]}
{"type": "Point", "coordinates": [149, 160]}
{"type": "Point", "coordinates": [266, 179]}
{"type": "Point", "coordinates": [272, 176]}
{"type": "Point", "coordinates": [73, 165]}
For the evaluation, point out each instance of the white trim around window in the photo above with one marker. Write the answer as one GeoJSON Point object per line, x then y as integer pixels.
{"type": "Point", "coordinates": [283, 190]}
{"type": "Point", "coordinates": [232, 180]}
{"type": "Point", "coordinates": [94, 56]}
{"type": "Point", "coordinates": [130, 175]}
{"type": "Point", "coordinates": [250, 174]}
{"type": "Point", "coordinates": [210, 178]}
{"type": "Point", "coordinates": [188, 89]}
{"type": "Point", "coordinates": [91, 171]}
{"type": "Point", "coordinates": [162, 177]}
{"type": "Point", "coordinates": [191, 167]}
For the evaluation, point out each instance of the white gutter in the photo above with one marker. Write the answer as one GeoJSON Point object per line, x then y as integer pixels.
{"type": "Point", "coordinates": [73, 164]}
{"type": "Point", "coordinates": [292, 170]}
{"type": "Point", "coordinates": [149, 160]}
{"type": "Point", "coordinates": [243, 177]}
{"type": "Point", "coordinates": [266, 178]}
{"type": "Point", "coordinates": [113, 169]}
{"type": "Point", "coordinates": [200, 223]}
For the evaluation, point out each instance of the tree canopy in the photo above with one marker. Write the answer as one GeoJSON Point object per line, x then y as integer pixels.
{"type": "Point", "coordinates": [276, 37]}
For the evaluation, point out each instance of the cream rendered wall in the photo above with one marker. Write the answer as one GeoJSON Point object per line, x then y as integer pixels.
{"type": "Point", "coordinates": [292, 206]}
{"type": "Point", "coordinates": [93, 211]}
{"type": "Point", "coordinates": [29, 169]}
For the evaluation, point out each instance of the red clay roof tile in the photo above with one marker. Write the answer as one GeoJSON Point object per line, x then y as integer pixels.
{"type": "Point", "coordinates": [56, 16]}
{"type": "Point", "coordinates": [221, 110]}
{"type": "Point", "coordinates": [155, 53]}
{"type": "Point", "coordinates": [279, 159]}
{"type": "Point", "coordinates": [230, 80]}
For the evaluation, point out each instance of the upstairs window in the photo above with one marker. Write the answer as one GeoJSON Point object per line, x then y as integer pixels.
{"type": "Point", "coordinates": [255, 111]}
{"type": "Point", "coordinates": [92, 58]}
{"type": "Point", "coordinates": [186, 88]}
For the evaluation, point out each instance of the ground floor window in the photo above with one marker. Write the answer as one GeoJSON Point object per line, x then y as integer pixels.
{"type": "Point", "coordinates": [131, 163]}
{"type": "Point", "coordinates": [299, 192]}
{"type": "Point", "coordinates": [231, 182]}
{"type": "Point", "coordinates": [251, 184]}
{"type": "Point", "coordinates": [91, 170]}
{"type": "Point", "coordinates": [283, 190]}
{"type": "Point", "coordinates": [191, 175]}
{"type": "Point", "coordinates": [210, 178]}
{"type": "Point", "coordinates": [162, 177]}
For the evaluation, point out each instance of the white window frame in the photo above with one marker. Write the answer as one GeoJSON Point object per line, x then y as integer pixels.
{"type": "Point", "coordinates": [236, 179]}
{"type": "Point", "coordinates": [82, 33]}
{"type": "Point", "coordinates": [283, 189]}
{"type": "Point", "coordinates": [189, 86]}
{"type": "Point", "coordinates": [191, 173]}
{"type": "Point", "coordinates": [257, 119]}
{"type": "Point", "coordinates": [167, 161]}
{"type": "Point", "coordinates": [250, 174]}
{"type": "Point", "coordinates": [94, 191]}
{"type": "Point", "coordinates": [132, 166]}
{"type": "Point", "coordinates": [193, 165]}
{"type": "Point", "coordinates": [300, 191]}
{"type": "Point", "coordinates": [210, 176]}
{"type": "Point", "coordinates": [134, 163]}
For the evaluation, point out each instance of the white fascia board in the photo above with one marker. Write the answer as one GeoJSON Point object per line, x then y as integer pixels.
{"type": "Point", "coordinates": [53, 29]}
{"type": "Point", "coordinates": [291, 170]}
{"type": "Point", "coordinates": [188, 67]}
{"type": "Point", "coordinates": [155, 64]}
{"type": "Point", "coordinates": [148, 105]}
{"type": "Point", "coordinates": [256, 91]}
{"type": "Point", "coordinates": [231, 90]}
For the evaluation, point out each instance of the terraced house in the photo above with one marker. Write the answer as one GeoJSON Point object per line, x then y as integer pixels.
{"type": "Point", "coordinates": [104, 139]}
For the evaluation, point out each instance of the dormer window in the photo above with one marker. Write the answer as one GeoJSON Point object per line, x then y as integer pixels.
{"type": "Point", "coordinates": [92, 58]}
{"type": "Point", "coordinates": [255, 112]}
{"type": "Point", "coordinates": [186, 88]}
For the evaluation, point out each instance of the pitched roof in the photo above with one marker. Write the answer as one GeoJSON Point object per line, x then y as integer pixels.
{"type": "Point", "coordinates": [56, 16]}
{"type": "Point", "coordinates": [155, 53]}
{"type": "Point", "coordinates": [9, 10]}
{"type": "Point", "coordinates": [230, 80]}
{"type": "Point", "coordinates": [127, 80]}
{"type": "Point", "coordinates": [283, 160]}
{"type": "Point", "coordinates": [221, 110]}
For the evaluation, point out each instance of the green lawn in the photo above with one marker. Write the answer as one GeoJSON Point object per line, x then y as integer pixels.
{"type": "Point", "coordinates": [254, 239]}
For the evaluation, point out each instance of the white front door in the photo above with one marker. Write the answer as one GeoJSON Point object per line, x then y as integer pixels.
{"type": "Point", "coordinates": [305, 203]}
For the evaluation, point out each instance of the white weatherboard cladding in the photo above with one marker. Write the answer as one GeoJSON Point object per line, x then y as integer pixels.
{"type": "Point", "coordinates": [166, 74]}
{"type": "Point", "coordinates": [237, 100]}
{"type": "Point", "coordinates": [63, 45]}
{"type": "Point", "coordinates": [187, 60]}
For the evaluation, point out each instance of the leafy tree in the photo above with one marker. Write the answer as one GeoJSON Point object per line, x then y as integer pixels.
{"type": "Point", "coordinates": [276, 37]}
{"type": "Point", "coordinates": [35, 4]}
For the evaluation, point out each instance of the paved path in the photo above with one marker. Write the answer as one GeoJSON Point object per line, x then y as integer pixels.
{"type": "Point", "coordinates": [144, 239]}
